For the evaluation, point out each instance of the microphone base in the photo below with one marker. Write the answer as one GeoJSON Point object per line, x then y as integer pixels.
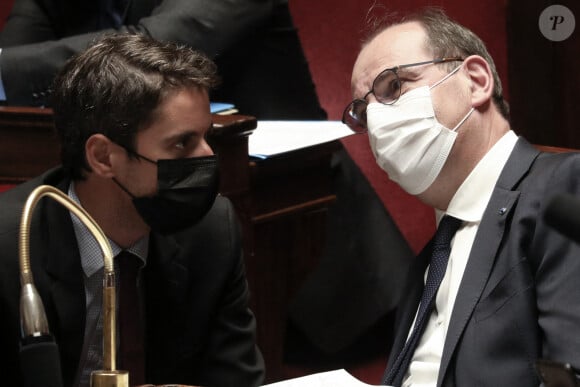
{"type": "Point", "coordinates": [110, 379]}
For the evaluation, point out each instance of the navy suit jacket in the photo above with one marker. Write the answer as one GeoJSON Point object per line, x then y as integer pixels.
{"type": "Point", "coordinates": [519, 298]}
{"type": "Point", "coordinates": [254, 43]}
{"type": "Point", "coordinates": [199, 328]}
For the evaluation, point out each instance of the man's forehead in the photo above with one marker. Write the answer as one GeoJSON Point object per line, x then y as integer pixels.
{"type": "Point", "coordinates": [396, 45]}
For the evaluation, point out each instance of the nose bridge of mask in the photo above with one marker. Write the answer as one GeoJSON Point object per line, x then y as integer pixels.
{"type": "Point", "coordinates": [413, 105]}
{"type": "Point", "coordinates": [179, 173]}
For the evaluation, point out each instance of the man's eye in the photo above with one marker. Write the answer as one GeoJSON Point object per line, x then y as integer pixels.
{"type": "Point", "coordinates": [183, 142]}
{"type": "Point", "coordinates": [393, 88]}
{"type": "Point", "coordinates": [387, 87]}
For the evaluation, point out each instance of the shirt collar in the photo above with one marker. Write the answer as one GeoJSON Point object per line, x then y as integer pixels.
{"type": "Point", "coordinates": [89, 249]}
{"type": "Point", "coordinates": [470, 200]}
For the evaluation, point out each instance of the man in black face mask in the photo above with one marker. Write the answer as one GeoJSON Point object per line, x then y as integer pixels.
{"type": "Point", "coordinates": [132, 115]}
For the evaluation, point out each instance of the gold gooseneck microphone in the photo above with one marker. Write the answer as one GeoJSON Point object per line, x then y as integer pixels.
{"type": "Point", "coordinates": [33, 316]}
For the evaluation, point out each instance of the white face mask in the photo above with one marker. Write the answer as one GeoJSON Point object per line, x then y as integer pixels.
{"type": "Point", "coordinates": [408, 141]}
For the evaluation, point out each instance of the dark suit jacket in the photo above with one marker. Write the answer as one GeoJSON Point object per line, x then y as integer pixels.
{"type": "Point", "coordinates": [519, 298]}
{"type": "Point", "coordinates": [199, 328]}
{"type": "Point", "coordinates": [254, 43]}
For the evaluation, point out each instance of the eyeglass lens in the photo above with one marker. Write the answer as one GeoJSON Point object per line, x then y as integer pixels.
{"type": "Point", "coordinates": [387, 87]}
{"type": "Point", "coordinates": [355, 115]}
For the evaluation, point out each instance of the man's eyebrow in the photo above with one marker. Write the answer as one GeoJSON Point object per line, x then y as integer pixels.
{"type": "Point", "coordinates": [408, 71]}
{"type": "Point", "coordinates": [189, 133]}
{"type": "Point", "coordinates": [180, 136]}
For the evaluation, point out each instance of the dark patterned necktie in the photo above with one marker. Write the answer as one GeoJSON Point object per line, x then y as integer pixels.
{"type": "Point", "coordinates": [131, 337]}
{"type": "Point", "coordinates": [437, 267]}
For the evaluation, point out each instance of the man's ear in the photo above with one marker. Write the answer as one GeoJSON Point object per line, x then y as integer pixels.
{"type": "Point", "coordinates": [481, 77]}
{"type": "Point", "coordinates": [99, 152]}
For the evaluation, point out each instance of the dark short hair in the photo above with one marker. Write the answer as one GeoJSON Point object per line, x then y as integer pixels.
{"type": "Point", "coordinates": [114, 87]}
{"type": "Point", "coordinates": [446, 38]}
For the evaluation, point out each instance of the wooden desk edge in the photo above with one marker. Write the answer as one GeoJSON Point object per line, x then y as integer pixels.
{"type": "Point", "coordinates": [33, 128]}
{"type": "Point", "coordinates": [26, 117]}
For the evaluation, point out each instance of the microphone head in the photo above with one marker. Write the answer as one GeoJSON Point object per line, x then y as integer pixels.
{"type": "Point", "coordinates": [563, 214]}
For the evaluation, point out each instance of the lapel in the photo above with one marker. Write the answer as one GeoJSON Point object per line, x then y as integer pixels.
{"type": "Point", "coordinates": [485, 247]}
{"type": "Point", "coordinates": [166, 270]}
{"type": "Point", "coordinates": [166, 284]}
{"type": "Point", "coordinates": [167, 280]}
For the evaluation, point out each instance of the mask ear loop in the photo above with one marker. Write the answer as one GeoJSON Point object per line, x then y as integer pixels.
{"type": "Point", "coordinates": [139, 156]}
{"type": "Point", "coordinates": [131, 152]}
{"type": "Point", "coordinates": [463, 120]}
{"type": "Point", "coordinates": [123, 188]}
{"type": "Point", "coordinates": [445, 77]}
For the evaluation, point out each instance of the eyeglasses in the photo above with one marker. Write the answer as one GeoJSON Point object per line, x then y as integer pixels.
{"type": "Point", "coordinates": [386, 89]}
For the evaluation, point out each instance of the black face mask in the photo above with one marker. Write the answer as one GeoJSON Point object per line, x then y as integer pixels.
{"type": "Point", "coordinates": [186, 190]}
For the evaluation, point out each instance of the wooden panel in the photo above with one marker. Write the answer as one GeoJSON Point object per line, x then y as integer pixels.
{"type": "Point", "coordinates": [287, 221]}
{"type": "Point", "coordinates": [28, 144]}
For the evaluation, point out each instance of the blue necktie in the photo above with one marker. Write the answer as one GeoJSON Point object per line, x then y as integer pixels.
{"type": "Point", "coordinates": [437, 267]}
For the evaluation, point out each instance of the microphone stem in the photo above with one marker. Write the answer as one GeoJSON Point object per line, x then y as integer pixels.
{"type": "Point", "coordinates": [34, 322]}
{"type": "Point", "coordinates": [109, 325]}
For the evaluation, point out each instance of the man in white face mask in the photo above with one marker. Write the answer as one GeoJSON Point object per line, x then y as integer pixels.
{"type": "Point", "coordinates": [500, 292]}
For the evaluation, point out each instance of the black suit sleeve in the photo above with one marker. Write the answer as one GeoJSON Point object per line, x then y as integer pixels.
{"type": "Point", "coordinates": [200, 329]}
{"type": "Point", "coordinates": [39, 36]}
{"type": "Point", "coordinates": [232, 357]}
{"type": "Point", "coordinates": [557, 259]}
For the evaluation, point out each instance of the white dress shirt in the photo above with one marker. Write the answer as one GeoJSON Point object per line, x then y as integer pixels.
{"type": "Point", "coordinates": [468, 204]}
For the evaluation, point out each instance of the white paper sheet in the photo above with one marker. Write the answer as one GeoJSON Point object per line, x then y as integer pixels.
{"type": "Point", "coordinates": [275, 137]}
{"type": "Point", "coordinates": [337, 378]}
